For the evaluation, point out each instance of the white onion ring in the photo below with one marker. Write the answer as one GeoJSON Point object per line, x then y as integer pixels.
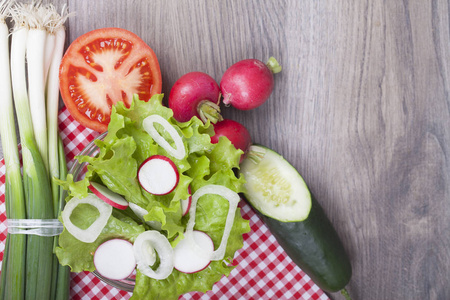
{"type": "Point", "coordinates": [90, 234]}
{"type": "Point", "coordinates": [226, 193]}
{"type": "Point", "coordinates": [145, 245]}
{"type": "Point", "coordinates": [148, 124]}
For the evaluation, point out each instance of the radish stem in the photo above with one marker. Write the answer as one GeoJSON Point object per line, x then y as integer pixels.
{"type": "Point", "coordinates": [273, 65]}
{"type": "Point", "coordinates": [208, 110]}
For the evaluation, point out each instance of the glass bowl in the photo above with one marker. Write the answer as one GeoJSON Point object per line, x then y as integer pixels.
{"type": "Point", "coordinates": [78, 170]}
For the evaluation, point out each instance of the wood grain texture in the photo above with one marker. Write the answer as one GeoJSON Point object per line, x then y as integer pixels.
{"type": "Point", "coordinates": [361, 108]}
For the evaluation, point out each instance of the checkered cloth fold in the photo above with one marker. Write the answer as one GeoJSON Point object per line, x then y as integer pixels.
{"type": "Point", "coordinates": [263, 271]}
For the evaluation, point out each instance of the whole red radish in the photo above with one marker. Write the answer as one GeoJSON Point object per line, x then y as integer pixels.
{"type": "Point", "coordinates": [248, 84]}
{"type": "Point", "coordinates": [195, 94]}
{"type": "Point", "coordinates": [235, 132]}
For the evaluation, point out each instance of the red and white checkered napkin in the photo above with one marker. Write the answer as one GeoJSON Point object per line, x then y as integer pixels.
{"type": "Point", "coordinates": [263, 271]}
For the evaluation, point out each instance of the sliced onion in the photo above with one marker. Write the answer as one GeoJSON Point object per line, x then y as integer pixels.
{"type": "Point", "coordinates": [90, 234]}
{"type": "Point", "coordinates": [141, 212]}
{"type": "Point", "coordinates": [179, 152]}
{"type": "Point", "coordinates": [144, 248]}
{"type": "Point", "coordinates": [226, 193]}
{"type": "Point", "coordinates": [138, 211]}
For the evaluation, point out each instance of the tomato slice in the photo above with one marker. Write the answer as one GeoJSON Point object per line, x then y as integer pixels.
{"type": "Point", "coordinates": [105, 66]}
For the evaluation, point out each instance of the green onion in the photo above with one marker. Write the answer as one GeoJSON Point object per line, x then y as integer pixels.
{"type": "Point", "coordinates": [37, 16]}
{"type": "Point", "coordinates": [57, 36]}
{"type": "Point", "coordinates": [36, 181]}
{"type": "Point", "coordinates": [37, 45]}
{"type": "Point", "coordinates": [3, 282]}
{"type": "Point", "coordinates": [13, 274]}
{"type": "Point", "coordinates": [63, 278]}
{"type": "Point", "coordinates": [57, 163]}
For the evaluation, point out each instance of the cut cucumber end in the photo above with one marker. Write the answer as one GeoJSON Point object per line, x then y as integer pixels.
{"type": "Point", "coordinates": [274, 187]}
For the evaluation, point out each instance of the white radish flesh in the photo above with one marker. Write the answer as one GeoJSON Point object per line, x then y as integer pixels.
{"type": "Point", "coordinates": [90, 234]}
{"type": "Point", "coordinates": [178, 152]}
{"type": "Point", "coordinates": [158, 175]}
{"type": "Point", "coordinates": [186, 259]}
{"type": "Point", "coordinates": [145, 246]}
{"type": "Point", "coordinates": [114, 259]}
{"type": "Point", "coordinates": [229, 195]}
{"type": "Point", "coordinates": [108, 196]}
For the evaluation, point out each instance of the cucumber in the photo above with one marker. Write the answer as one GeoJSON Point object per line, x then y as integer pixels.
{"type": "Point", "coordinates": [312, 242]}
{"type": "Point", "coordinates": [274, 187]}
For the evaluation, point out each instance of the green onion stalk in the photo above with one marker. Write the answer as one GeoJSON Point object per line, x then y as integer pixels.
{"type": "Point", "coordinates": [54, 49]}
{"type": "Point", "coordinates": [14, 260]}
{"type": "Point", "coordinates": [62, 290]}
{"type": "Point", "coordinates": [37, 187]}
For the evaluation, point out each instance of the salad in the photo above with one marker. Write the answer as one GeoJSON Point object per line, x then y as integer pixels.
{"type": "Point", "coordinates": [204, 166]}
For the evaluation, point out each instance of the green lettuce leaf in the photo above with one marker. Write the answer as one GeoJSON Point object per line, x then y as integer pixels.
{"type": "Point", "coordinates": [122, 151]}
{"type": "Point", "coordinates": [80, 256]}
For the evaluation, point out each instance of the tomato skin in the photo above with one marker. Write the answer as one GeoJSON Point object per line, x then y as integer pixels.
{"type": "Point", "coordinates": [105, 66]}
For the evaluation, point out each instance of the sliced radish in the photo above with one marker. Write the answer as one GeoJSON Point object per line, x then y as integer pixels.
{"type": "Point", "coordinates": [158, 175]}
{"type": "Point", "coordinates": [141, 212]}
{"type": "Point", "coordinates": [186, 203]}
{"type": "Point", "coordinates": [178, 152]}
{"type": "Point", "coordinates": [108, 196]}
{"type": "Point", "coordinates": [144, 248]}
{"type": "Point", "coordinates": [114, 259]}
{"type": "Point", "coordinates": [186, 259]}
{"type": "Point", "coordinates": [90, 234]}
{"type": "Point", "coordinates": [229, 195]}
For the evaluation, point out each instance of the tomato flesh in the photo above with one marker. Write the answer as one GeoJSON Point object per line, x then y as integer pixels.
{"type": "Point", "coordinates": [103, 67]}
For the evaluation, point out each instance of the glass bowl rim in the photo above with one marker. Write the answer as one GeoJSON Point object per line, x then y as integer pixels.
{"type": "Point", "coordinates": [75, 170]}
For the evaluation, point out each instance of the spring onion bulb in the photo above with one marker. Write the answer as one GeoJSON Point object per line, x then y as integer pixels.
{"type": "Point", "coordinates": [37, 34]}
{"type": "Point", "coordinates": [56, 35]}
{"type": "Point", "coordinates": [48, 52]}
{"type": "Point", "coordinates": [13, 275]}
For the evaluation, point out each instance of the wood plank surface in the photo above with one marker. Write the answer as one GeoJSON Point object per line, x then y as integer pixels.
{"type": "Point", "coordinates": [361, 108]}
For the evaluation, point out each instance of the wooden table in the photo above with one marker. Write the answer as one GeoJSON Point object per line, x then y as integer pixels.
{"type": "Point", "coordinates": [361, 108]}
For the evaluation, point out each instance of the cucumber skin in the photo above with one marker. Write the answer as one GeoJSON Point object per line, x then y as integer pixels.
{"type": "Point", "coordinates": [314, 245]}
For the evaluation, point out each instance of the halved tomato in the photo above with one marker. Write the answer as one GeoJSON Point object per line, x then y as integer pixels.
{"type": "Point", "coordinates": [105, 66]}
